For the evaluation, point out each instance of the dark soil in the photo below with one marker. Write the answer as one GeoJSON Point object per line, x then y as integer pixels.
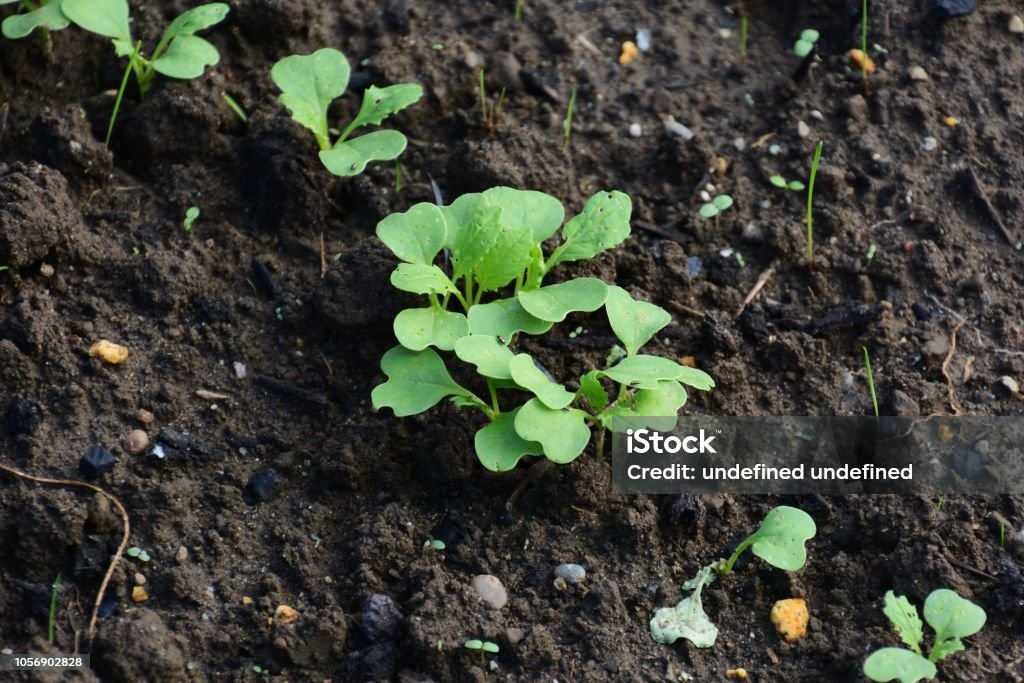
{"type": "Point", "coordinates": [95, 248]}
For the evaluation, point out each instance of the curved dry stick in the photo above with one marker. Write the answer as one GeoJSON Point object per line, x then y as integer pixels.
{"type": "Point", "coordinates": [945, 367]}
{"type": "Point", "coordinates": [120, 548]}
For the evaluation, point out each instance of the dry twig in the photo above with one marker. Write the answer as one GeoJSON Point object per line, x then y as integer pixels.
{"type": "Point", "coordinates": [758, 286]}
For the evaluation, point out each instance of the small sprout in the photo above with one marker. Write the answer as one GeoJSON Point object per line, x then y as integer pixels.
{"type": "Point", "coordinates": [871, 380]}
{"type": "Point", "coordinates": [781, 183]}
{"type": "Point", "coordinates": [810, 205]}
{"type": "Point", "coordinates": [234, 106]}
{"type": "Point", "coordinates": [866, 65]}
{"type": "Point", "coordinates": [804, 46]}
{"type": "Point", "coordinates": [740, 260]}
{"type": "Point", "coordinates": [949, 615]}
{"type": "Point", "coordinates": [51, 623]}
{"type": "Point", "coordinates": [437, 47]}
{"type": "Point", "coordinates": [872, 248]}
{"type": "Point", "coordinates": [190, 217]}
{"type": "Point", "coordinates": [434, 544]}
{"type": "Point", "coordinates": [2, 268]}
{"type": "Point", "coordinates": [490, 113]}
{"type": "Point", "coordinates": [743, 35]}
{"type": "Point", "coordinates": [256, 668]}
{"type": "Point", "coordinates": [517, 14]}
{"type": "Point", "coordinates": [567, 123]}
{"type": "Point", "coordinates": [716, 206]}
{"type": "Point", "coordinates": [482, 645]}
{"type": "Point", "coordinates": [137, 553]}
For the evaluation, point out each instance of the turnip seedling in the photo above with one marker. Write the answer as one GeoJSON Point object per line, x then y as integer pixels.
{"type": "Point", "coordinates": [806, 42]}
{"type": "Point", "coordinates": [47, 15]}
{"type": "Point", "coordinates": [949, 615]}
{"type": "Point", "coordinates": [715, 207]}
{"type": "Point", "coordinates": [492, 241]}
{"type": "Point", "coordinates": [779, 541]}
{"type": "Point", "coordinates": [309, 83]}
{"type": "Point", "coordinates": [434, 544]}
{"type": "Point", "coordinates": [190, 217]}
{"type": "Point", "coordinates": [810, 205]}
{"type": "Point", "coordinates": [781, 183]}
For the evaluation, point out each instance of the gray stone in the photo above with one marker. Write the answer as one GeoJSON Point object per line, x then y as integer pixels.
{"type": "Point", "coordinates": [1009, 384]}
{"type": "Point", "coordinates": [382, 619]}
{"type": "Point", "coordinates": [570, 573]}
{"type": "Point", "coordinates": [490, 590]}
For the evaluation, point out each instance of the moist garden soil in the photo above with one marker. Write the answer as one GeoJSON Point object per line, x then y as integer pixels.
{"type": "Point", "coordinates": [281, 273]}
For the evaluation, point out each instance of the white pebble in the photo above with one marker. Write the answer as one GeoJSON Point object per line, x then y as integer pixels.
{"type": "Point", "coordinates": [1016, 24]}
{"type": "Point", "coordinates": [929, 144]}
{"type": "Point", "coordinates": [673, 127]}
{"type": "Point", "coordinates": [704, 196]}
{"type": "Point", "coordinates": [739, 143]}
{"type": "Point", "coordinates": [1010, 384]}
{"type": "Point", "coordinates": [815, 114]}
{"type": "Point", "coordinates": [918, 74]}
{"type": "Point", "coordinates": [774, 150]}
{"type": "Point", "coordinates": [751, 232]}
{"type": "Point", "coordinates": [240, 370]}
{"type": "Point", "coordinates": [726, 253]}
{"type": "Point", "coordinates": [710, 187]}
{"type": "Point", "coordinates": [635, 130]}
{"type": "Point", "coordinates": [802, 129]}
{"type": "Point", "coordinates": [725, 33]}
{"type": "Point", "coordinates": [643, 39]}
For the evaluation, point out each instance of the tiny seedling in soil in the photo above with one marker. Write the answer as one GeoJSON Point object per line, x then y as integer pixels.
{"type": "Point", "coordinates": [309, 83]}
{"type": "Point", "coordinates": [810, 205]}
{"type": "Point", "coordinates": [492, 242]}
{"type": "Point", "coordinates": [744, 26]}
{"type": "Point", "coordinates": [138, 553]}
{"type": "Point", "coordinates": [567, 123]}
{"type": "Point", "coordinates": [234, 106]}
{"type": "Point", "coordinates": [872, 249]}
{"type": "Point", "coordinates": [483, 645]}
{"type": "Point", "coordinates": [781, 183]}
{"type": "Point", "coordinates": [191, 214]}
{"type": "Point", "coordinates": [949, 615]}
{"type": "Point", "coordinates": [434, 544]}
{"type": "Point", "coordinates": [517, 14]}
{"type": "Point", "coordinates": [715, 208]}
{"type": "Point", "coordinates": [490, 113]}
{"type": "Point", "coordinates": [3, 268]}
{"type": "Point", "coordinates": [52, 621]}
{"type": "Point", "coordinates": [45, 15]}
{"type": "Point", "coordinates": [805, 45]}
{"type": "Point", "coordinates": [257, 669]}
{"type": "Point", "coordinates": [779, 541]}
{"type": "Point", "coordinates": [871, 380]}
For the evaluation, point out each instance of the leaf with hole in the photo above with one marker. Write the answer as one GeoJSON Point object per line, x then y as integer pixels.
{"type": "Point", "coordinates": [489, 355]}
{"type": "Point", "coordinates": [644, 372]}
{"type": "Point", "coordinates": [603, 224]}
{"type": "Point", "coordinates": [781, 538]}
{"type": "Point", "coordinates": [895, 663]}
{"type": "Point", "coordinates": [415, 236]}
{"type": "Point", "coordinates": [380, 103]}
{"type": "Point", "coordinates": [308, 84]}
{"type": "Point", "coordinates": [350, 157]}
{"type": "Point", "coordinates": [504, 318]}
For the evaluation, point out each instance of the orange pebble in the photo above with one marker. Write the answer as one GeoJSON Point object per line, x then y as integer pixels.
{"type": "Point", "coordinates": [862, 61]}
{"type": "Point", "coordinates": [790, 617]}
{"type": "Point", "coordinates": [951, 121]}
{"type": "Point", "coordinates": [688, 361]}
{"type": "Point", "coordinates": [108, 352]}
{"type": "Point", "coordinates": [139, 594]}
{"type": "Point", "coordinates": [629, 52]}
{"type": "Point", "coordinates": [285, 614]}
{"type": "Point", "coordinates": [739, 673]}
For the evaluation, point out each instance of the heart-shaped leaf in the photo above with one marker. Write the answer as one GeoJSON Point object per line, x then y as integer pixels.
{"type": "Point", "coordinates": [527, 375]}
{"type": "Point", "coordinates": [504, 318]}
{"type": "Point", "coordinates": [458, 214]}
{"type": "Point", "coordinates": [418, 328]}
{"type": "Point", "coordinates": [644, 372]}
{"type": "Point", "coordinates": [187, 57]}
{"type": "Point", "coordinates": [952, 618]}
{"type": "Point", "coordinates": [563, 433]}
{"type": "Point", "coordinates": [489, 355]}
{"type": "Point", "coordinates": [350, 157]}
{"type": "Point", "coordinates": [309, 83]}
{"type": "Point", "coordinates": [895, 663]}
{"type": "Point", "coordinates": [499, 448]}
{"type": "Point", "coordinates": [415, 236]}
{"type": "Point", "coordinates": [541, 214]}
{"type": "Point", "coordinates": [554, 302]}
{"type": "Point", "coordinates": [603, 224]}
{"type": "Point", "coordinates": [780, 540]}
{"type": "Point", "coordinates": [106, 17]}
{"type": "Point", "coordinates": [417, 380]}
{"type": "Point", "coordinates": [379, 103]}
{"type": "Point", "coordinates": [634, 322]}
{"type": "Point", "coordinates": [421, 279]}
{"type": "Point", "coordinates": [48, 16]}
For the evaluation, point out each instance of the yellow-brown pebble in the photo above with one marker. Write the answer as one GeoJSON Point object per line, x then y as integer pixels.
{"type": "Point", "coordinates": [109, 352]}
{"type": "Point", "coordinates": [790, 618]}
{"type": "Point", "coordinates": [739, 674]}
{"type": "Point", "coordinates": [246, 600]}
{"type": "Point", "coordinates": [139, 594]}
{"type": "Point", "coordinates": [285, 614]}
{"type": "Point", "coordinates": [629, 52]}
{"type": "Point", "coordinates": [862, 60]}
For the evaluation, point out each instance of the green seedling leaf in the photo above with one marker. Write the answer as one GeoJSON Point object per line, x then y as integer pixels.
{"type": "Point", "coordinates": [417, 380]}
{"type": "Point", "coordinates": [490, 647]}
{"type": "Point", "coordinates": [591, 387]}
{"type": "Point", "coordinates": [634, 322]}
{"type": "Point", "coordinates": [475, 239]}
{"type": "Point", "coordinates": [810, 35]}
{"type": "Point", "coordinates": [504, 318]}
{"type": "Point", "coordinates": [507, 259]}
{"type": "Point", "coordinates": [780, 540]}
{"type": "Point", "coordinates": [48, 16]}
{"type": "Point", "coordinates": [644, 372]}
{"type": "Point", "coordinates": [895, 663]}
{"type": "Point", "coordinates": [541, 213]}
{"type": "Point", "coordinates": [796, 186]}
{"type": "Point", "coordinates": [952, 618]}
{"type": "Point", "coordinates": [904, 618]}
{"type": "Point", "coordinates": [474, 644]}
{"type": "Point", "coordinates": [380, 103]}
{"type": "Point", "coordinates": [802, 48]}
{"type": "Point", "coordinates": [663, 401]}
{"type": "Point", "coordinates": [554, 302]}
{"type": "Point", "coordinates": [196, 19]}
{"type": "Point", "coordinates": [187, 57]}
{"type": "Point", "coordinates": [722, 202]}
{"type": "Point", "coordinates": [499, 448]}
{"type": "Point", "coordinates": [106, 17]}
{"type": "Point", "coordinates": [527, 375]}
{"type": "Point", "coordinates": [603, 224]}
{"type": "Point", "coordinates": [708, 210]}
{"type": "Point", "coordinates": [415, 236]}
{"type": "Point", "coordinates": [778, 181]}
{"type": "Point", "coordinates": [308, 84]}
{"type": "Point", "coordinates": [687, 619]}
{"type": "Point", "coordinates": [421, 279]}
{"type": "Point", "coordinates": [434, 544]}
{"type": "Point", "coordinates": [489, 355]}
{"type": "Point", "coordinates": [418, 328]}
{"type": "Point", "coordinates": [134, 551]}
{"type": "Point", "coordinates": [191, 214]}
{"type": "Point", "coordinates": [458, 214]}
{"type": "Point", "coordinates": [350, 157]}
{"type": "Point", "coordinates": [562, 433]}
{"type": "Point", "coordinates": [698, 379]}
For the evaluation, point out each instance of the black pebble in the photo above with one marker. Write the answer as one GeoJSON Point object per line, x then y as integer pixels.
{"type": "Point", "coordinates": [922, 312]}
{"type": "Point", "coordinates": [262, 486]}
{"type": "Point", "coordinates": [108, 608]}
{"type": "Point", "coordinates": [264, 281]}
{"type": "Point", "coordinates": [947, 9]}
{"type": "Point", "coordinates": [96, 461]}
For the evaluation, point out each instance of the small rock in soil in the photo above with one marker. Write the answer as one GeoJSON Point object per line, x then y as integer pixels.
{"type": "Point", "coordinates": [285, 614]}
{"type": "Point", "coordinates": [140, 579]}
{"type": "Point", "coordinates": [136, 442]}
{"type": "Point", "coordinates": [570, 573]}
{"type": "Point", "coordinates": [673, 127]}
{"type": "Point", "coordinates": [902, 405]}
{"type": "Point", "coordinates": [947, 9]}
{"type": "Point", "coordinates": [929, 144]}
{"type": "Point", "coordinates": [263, 486]}
{"type": "Point", "coordinates": [139, 594]}
{"type": "Point", "coordinates": [96, 462]}
{"type": "Point", "coordinates": [490, 590]}
{"type": "Point", "coordinates": [382, 619]}
{"type": "Point", "coordinates": [514, 635]}
{"type": "Point", "coordinates": [917, 73]}
{"type": "Point", "coordinates": [504, 72]}
{"type": "Point", "coordinates": [802, 129]}
{"type": "Point", "coordinates": [937, 346]}
{"type": "Point", "coordinates": [1016, 24]}
{"type": "Point", "coordinates": [857, 108]}
{"type": "Point", "coordinates": [109, 352]}
{"type": "Point", "coordinates": [1009, 384]}
{"type": "Point", "coordinates": [635, 130]}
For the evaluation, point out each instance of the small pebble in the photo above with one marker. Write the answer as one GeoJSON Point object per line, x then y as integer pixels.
{"type": "Point", "coordinates": [240, 369]}
{"type": "Point", "coordinates": [737, 674]}
{"type": "Point", "coordinates": [739, 143]}
{"type": "Point", "coordinates": [947, 9]}
{"type": "Point", "coordinates": [817, 115]}
{"type": "Point", "coordinates": [140, 580]}
{"type": "Point", "coordinates": [982, 447]}
{"type": "Point", "coordinates": [263, 485]}
{"type": "Point", "coordinates": [490, 590]}
{"type": "Point", "coordinates": [774, 150]}
{"type": "Point", "coordinates": [382, 619]}
{"type": "Point", "coordinates": [571, 573]}
{"type": "Point", "coordinates": [144, 416]}
{"type": "Point", "coordinates": [514, 635]}
{"type": "Point", "coordinates": [802, 129]}
{"type": "Point", "coordinates": [918, 74]}
{"type": "Point", "coordinates": [286, 615]}
{"type": "Point", "coordinates": [693, 266]}
{"type": "Point", "coordinates": [929, 144]}
{"type": "Point", "coordinates": [673, 127]}
{"type": "Point", "coordinates": [635, 130]}
{"type": "Point", "coordinates": [139, 594]}
{"type": "Point", "coordinates": [109, 352]}
{"type": "Point", "coordinates": [790, 618]}
{"type": "Point", "coordinates": [181, 557]}
{"type": "Point", "coordinates": [136, 442]}
{"type": "Point", "coordinates": [1016, 24]}
{"type": "Point", "coordinates": [247, 601]}
{"type": "Point", "coordinates": [643, 39]}
{"type": "Point", "coordinates": [46, 270]}
{"type": "Point", "coordinates": [751, 232]}
{"type": "Point", "coordinates": [96, 461]}
{"type": "Point", "coordinates": [1009, 384]}
{"type": "Point", "coordinates": [629, 52]}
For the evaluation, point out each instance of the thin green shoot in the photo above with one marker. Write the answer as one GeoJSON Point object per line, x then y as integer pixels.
{"type": "Point", "coordinates": [191, 214]}
{"type": "Point", "coordinates": [567, 123]}
{"type": "Point", "coordinates": [52, 622]}
{"type": "Point", "coordinates": [2, 268]}
{"type": "Point", "coordinates": [437, 47]}
{"type": "Point", "coordinates": [518, 13]}
{"type": "Point", "coordinates": [743, 35]}
{"type": "Point", "coordinates": [810, 205]}
{"type": "Point", "coordinates": [490, 113]}
{"type": "Point", "coordinates": [234, 106]}
{"type": "Point", "coordinates": [864, 41]}
{"type": "Point", "coordinates": [939, 502]}
{"type": "Point", "coordinates": [871, 380]}
{"type": "Point", "coordinates": [120, 92]}
{"type": "Point", "coordinates": [872, 249]}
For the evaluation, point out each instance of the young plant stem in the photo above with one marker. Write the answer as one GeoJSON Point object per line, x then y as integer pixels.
{"type": "Point", "coordinates": [567, 123]}
{"type": "Point", "coordinates": [53, 608]}
{"type": "Point", "coordinates": [120, 92]}
{"type": "Point", "coordinates": [743, 35]}
{"type": "Point", "coordinates": [726, 568]}
{"type": "Point", "coordinates": [810, 205]}
{"type": "Point", "coordinates": [871, 381]}
{"type": "Point", "coordinates": [494, 397]}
